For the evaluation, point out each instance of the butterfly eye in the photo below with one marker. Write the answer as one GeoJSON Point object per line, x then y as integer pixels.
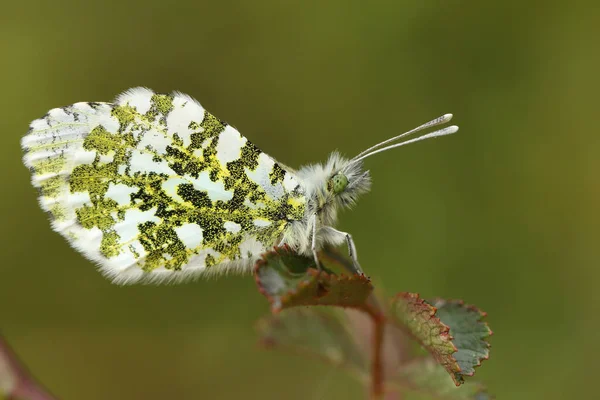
{"type": "Point", "coordinates": [337, 183]}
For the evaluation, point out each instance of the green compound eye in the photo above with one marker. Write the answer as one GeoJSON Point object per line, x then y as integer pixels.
{"type": "Point", "coordinates": [338, 183]}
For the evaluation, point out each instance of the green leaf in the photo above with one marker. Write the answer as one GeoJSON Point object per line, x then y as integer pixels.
{"type": "Point", "coordinates": [451, 331]}
{"type": "Point", "coordinates": [419, 319]}
{"type": "Point", "coordinates": [468, 333]}
{"type": "Point", "coordinates": [315, 331]}
{"type": "Point", "coordinates": [395, 349]}
{"type": "Point", "coordinates": [426, 376]}
{"type": "Point", "coordinates": [287, 280]}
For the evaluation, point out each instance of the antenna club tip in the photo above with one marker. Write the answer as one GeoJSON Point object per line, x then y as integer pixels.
{"type": "Point", "coordinates": [453, 129]}
{"type": "Point", "coordinates": [447, 117]}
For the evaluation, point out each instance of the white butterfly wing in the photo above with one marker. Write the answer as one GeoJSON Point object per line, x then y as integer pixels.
{"type": "Point", "coordinates": [152, 187]}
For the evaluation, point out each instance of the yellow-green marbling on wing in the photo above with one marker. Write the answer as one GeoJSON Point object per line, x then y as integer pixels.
{"type": "Point", "coordinates": [153, 187]}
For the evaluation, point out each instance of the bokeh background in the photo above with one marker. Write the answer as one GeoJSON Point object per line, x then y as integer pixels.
{"type": "Point", "coordinates": [503, 214]}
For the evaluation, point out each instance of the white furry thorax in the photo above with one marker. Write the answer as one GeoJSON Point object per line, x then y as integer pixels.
{"type": "Point", "coordinates": [323, 202]}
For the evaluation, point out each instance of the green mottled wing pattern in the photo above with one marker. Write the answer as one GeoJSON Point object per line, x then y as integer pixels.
{"type": "Point", "coordinates": [154, 188]}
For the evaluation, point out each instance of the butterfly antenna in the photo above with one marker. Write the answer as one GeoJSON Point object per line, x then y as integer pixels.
{"type": "Point", "coordinates": [438, 121]}
{"type": "Point", "coordinates": [442, 132]}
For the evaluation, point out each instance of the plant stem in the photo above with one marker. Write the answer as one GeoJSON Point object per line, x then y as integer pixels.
{"type": "Point", "coordinates": [377, 367]}
{"type": "Point", "coordinates": [379, 320]}
{"type": "Point", "coordinates": [17, 379]}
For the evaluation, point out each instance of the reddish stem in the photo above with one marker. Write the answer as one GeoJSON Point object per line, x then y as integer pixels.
{"type": "Point", "coordinates": [377, 367]}
{"type": "Point", "coordinates": [378, 319]}
{"type": "Point", "coordinates": [25, 385]}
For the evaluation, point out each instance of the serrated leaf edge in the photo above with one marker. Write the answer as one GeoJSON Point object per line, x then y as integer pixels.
{"type": "Point", "coordinates": [482, 315]}
{"type": "Point", "coordinates": [444, 334]}
{"type": "Point", "coordinates": [312, 274]}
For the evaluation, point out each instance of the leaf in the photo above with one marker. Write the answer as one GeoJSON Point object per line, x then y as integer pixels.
{"type": "Point", "coordinates": [15, 380]}
{"type": "Point", "coordinates": [287, 280]}
{"type": "Point", "coordinates": [419, 318]}
{"type": "Point", "coordinates": [342, 338]}
{"type": "Point", "coordinates": [468, 333]}
{"type": "Point", "coordinates": [425, 376]}
{"type": "Point", "coordinates": [395, 348]}
{"type": "Point", "coordinates": [451, 331]}
{"type": "Point", "coordinates": [316, 331]}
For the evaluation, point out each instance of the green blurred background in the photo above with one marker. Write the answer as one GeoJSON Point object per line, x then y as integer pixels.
{"type": "Point", "coordinates": [503, 214]}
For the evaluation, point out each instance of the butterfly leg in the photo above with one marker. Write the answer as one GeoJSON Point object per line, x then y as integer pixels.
{"type": "Point", "coordinates": [314, 241]}
{"type": "Point", "coordinates": [351, 247]}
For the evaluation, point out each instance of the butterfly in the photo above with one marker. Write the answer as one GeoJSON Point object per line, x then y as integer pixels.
{"type": "Point", "coordinates": [153, 188]}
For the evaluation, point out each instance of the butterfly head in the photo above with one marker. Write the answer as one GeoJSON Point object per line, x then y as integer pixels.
{"type": "Point", "coordinates": [340, 181]}
{"type": "Point", "coordinates": [346, 181]}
